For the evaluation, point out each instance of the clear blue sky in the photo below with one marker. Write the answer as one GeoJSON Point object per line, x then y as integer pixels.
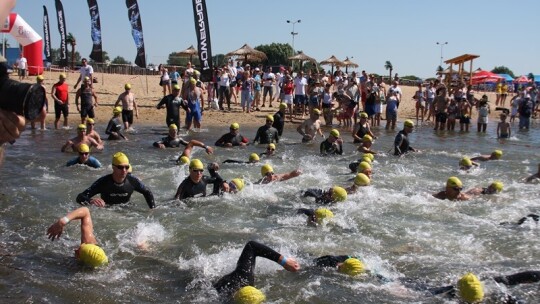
{"type": "Point", "coordinates": [403, 32]}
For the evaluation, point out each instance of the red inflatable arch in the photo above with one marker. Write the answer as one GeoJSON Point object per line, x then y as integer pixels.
{"type": "Point", "coordinates": [30, 40]}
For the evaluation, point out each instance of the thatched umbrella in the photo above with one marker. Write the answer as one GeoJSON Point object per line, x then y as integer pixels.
{"type": "Point", "coordinates": [332, 61]}
{"type": "Point", "coordinates": [302, 57]}
{"type": "Point", "coordinates": [189, 52]}
{"type": "Point", "coordinates": [347, 63]}
{"type": "Point", "coordinates": [248, 53]}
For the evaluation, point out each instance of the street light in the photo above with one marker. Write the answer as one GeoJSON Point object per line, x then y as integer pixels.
{"type": "Point", "coordinates": [293, 33]}
{"type": "Point", "coordinates": [442, 45]}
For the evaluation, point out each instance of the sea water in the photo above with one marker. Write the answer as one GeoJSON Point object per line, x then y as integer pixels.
{"type": "Point", "coordinates": [175, 252]}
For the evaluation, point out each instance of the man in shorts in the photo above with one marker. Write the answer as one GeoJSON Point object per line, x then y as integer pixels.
{"type": "Point", "coordinates": [128, 106]}
{"type": "Point", "coordinates": [268, 82]}
{"type": "Point", "coordinates": [300, 86]}
{"type": "Point", "coordinates": [440, 103]}
{"type": "Point", "coordinates": [60, 95]}
{"type": "Point", "coordinates": [86, 93]}
{"type": "Point", "coordinates": [86, 70]}
{"type": "Point", "coordinates": [22, 64]}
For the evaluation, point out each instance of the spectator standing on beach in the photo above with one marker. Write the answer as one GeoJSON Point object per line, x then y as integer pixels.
{"type": "Point", "coordinates": [247, 86]}
{"type": "Point", "coordinates": [525, 110]}
{"type": "Point", "coordinates": [164, 80]}
{"type": "Point", "coordinates": [288, 90]}
{"type": "Point", "coordinates": [483, 114]}
{"type": "Point", "coordinates": [225, 77]}
{"type": "Point", "coordinates": [300, 86]}
{"type": "Point", "coordinates": [440, 104]}
{"type": "Point", "coordinates": [391, 109]}
{"type": "Point", "coordinates": [60, 95]}
{"type": "Point", "coordinates": [127, 99]}
{"type": "Point", "coordinates": [452, 112]}
{"type": "Point", "coordinates": [420, 103]}
{"type": "Point", "coordinates": [86, 94]}
{"type": "Point", "coordinates": [429, 94]}
{"type": "Point", "coordinates": [395, 87]}
{"type": "Point", "coordinates": [278, 96]}
{"type": "Point", "coordinates": [268, 81]}
{"type": "Point", "coordinates": [22, 65]}
{"type": "Point", "coordinates": [85, 71]}
{"type": "Point", "coordinates": [257, 88]}
{"type": "Point", "coordinates": [174, 76]}
{"type": "Point", "coordinates": [172, 102]}
{"type": "Point", "coordinates": [464, 115]}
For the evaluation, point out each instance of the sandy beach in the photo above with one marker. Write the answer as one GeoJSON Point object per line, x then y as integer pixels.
{"type": "Point", "coordinates": [148, 94]}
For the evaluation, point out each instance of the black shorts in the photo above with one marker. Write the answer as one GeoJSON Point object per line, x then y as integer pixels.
{"type": "Point", "coordinates": [62, 109]}
{"type": "Point", "coordinates": [87, 111]}
{"type": "Point", "coordinates": [127, 116]}
{"type": "Point", "coordinates": [440, 117]}
{"type": "Point", "coordinates": [465, 120]}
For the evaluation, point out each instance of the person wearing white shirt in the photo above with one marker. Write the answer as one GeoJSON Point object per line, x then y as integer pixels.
{"type": "Point", "coordinates": [300, 85]}
{"type": "Point", "coordinates": [268, 85]}
{"type": "Point", "coordinates": [279, 83]}
{"type": "Point", "coordinates": [86, 70]}
{"type": "Point", "coordinates": [22, 64]}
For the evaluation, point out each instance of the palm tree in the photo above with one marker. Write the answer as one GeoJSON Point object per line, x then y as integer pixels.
{"type": "Point", "coordinates": [388, 66]}
{"type": "Point", "coordinates": [73, 42]}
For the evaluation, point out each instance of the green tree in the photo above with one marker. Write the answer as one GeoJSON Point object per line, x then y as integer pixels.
{"type": "Point", "coordinates": [411, 77]}
{"type": "Point", "coordinates": [388, 66]}
{"type": "Point", "coordinates": [503, 70]}
{"type": "Point", "coordinates": [277, 53]}
{"type": "Point", "coordinates": [70, 39]}
{"type": "Point", "coordinates": [219, 60]}
{"type": "Point", "coordinates": [120, 60]}
{"type": "Point", "coordinates": [55, 56]}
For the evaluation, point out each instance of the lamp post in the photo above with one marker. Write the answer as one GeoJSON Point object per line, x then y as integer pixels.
{"type": "Point", "coordinates": [293, 33]}
{"type": "Point", "coordinates": [442, 45]}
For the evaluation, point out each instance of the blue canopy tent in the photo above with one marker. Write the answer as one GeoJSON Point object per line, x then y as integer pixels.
{"type": "Point", "coordinates": [506, 77]}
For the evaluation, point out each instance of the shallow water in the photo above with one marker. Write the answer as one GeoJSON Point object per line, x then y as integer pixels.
{"type": "Point", "coordinates": [395, 225]}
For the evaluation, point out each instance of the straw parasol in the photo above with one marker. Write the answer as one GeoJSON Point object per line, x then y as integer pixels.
{"type": "Point", "coordinates": [332, 61]}
{"type": "Point", "coordinates": [302, 57]}
{"type": "Point", "coordinates": [347, 63]}
{"type": "Point", "coordinates": [189, 52]}
{"type": "Point", "coordinates": [248, 53]}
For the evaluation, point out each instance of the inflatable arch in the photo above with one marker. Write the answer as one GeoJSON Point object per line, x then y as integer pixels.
{"type": "Point", "coordinates": [30, 40]}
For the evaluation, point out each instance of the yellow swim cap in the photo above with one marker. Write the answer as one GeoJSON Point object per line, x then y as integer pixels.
{"type": "Point", "coordinates": [235, 126]}
{"type": "Point", "coordinates": [184, 160]}
{"type": "Point", "coordinates": [361, 180]}
{"type": "Point", "coordinates": [119, 158]}
{"type": "Point", "coordinates": [323, 213]}
{"type": "Point", "coordinates": [367, 138]}
{"type": "Point", "coordinates": [339, 194]}
{"type": "Point", "coordinates": [370, 156]}
{"type": "Point", "coordinates": [317, 111]}
{"type": "Point", "coordinates": [117, 110]}
{"type": "Point", "coordinates": [497, 154]}
{"type": "Point", "coordinates": [408, 123]}
{"type": "Point", "coordinates": [454, 182]}
{"type": "Point", "coordinates": [90, 121]}
{"type": "Point", "coordinates": [363, 166]}
{"type": "Point", "coordinates": [352, 267]}
{"type": "Point", "coordinates": [62, 76]}
{"type": "Point", "coordinates": [465, 162]}
{"type": "Point", "coordinates": [366, 159]}
{"type": "Point", "coordinates": [173, 127]}
{"type": "Point", "coordinates": [249, 295]}
{"type": "Point", "coordinates": [83, 148]}
{"type": "Point", "coordinates": [497, 185]}
{"type": "Point", "coordinates": [271, 146]}
{"type": "Point", "coordinates": [92, 255]}
{"type": "Point", "coordinates": [87, 78]}
{"type": "Point", "coordinates": [81, 127]}
{"type": "Point", "coordinates": [176, 87]}
{"type": "Point", "coordinates": [196, 73]}
{"type": "Point", "coordinates": [470, 289]}
{"type": "Point", "coordinates": [239, 183]}
{"type": "Point", "coordinates": [40, 78]}
{"type": "Point", "coordinates": [127, 86]}
{"type": "Point", "coordinates": [196, 164]}
{"type": "Point", "coordinates": [254, 157]}
{"type": "Point", "coordinates": [363, 115]}
{"type": "Point", "coordinates": [282, 106]}
{"type": "Point", "coordinates": [270, 117]}
{"type": "Point", "coordinates": [334, 133]}
{"type": "Point", "coordinates": [192, 80]}
{"type": "Point", "coordinates": [266, 169]}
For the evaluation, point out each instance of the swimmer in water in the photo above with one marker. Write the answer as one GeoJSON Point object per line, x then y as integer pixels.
{"type": "Point", "coordinates": [401, 142]}
{"type": "Point", "coordinates": [316, 216]}
{"type": "Point", "coordinates": [310, 127]}
{"type": "Point", "coordinates": [116, 188]}
{"type": "Point", "coordinates": [84, 158]}
{"type": "Point", "coordinates": [239, 284]}
{"type": "Point", "coordinates": [533, 177]}
{"type": "Point", "coordinates": [360, 180]}
{"type": "Point", "coordinates": [233, 138]}
{"type": "Point", "coordinates": [253, 159]}
{"type": "Point", "coordinates": [195, 184]}
{"type": "Point", "coordinates": [114, 128]}
{"type": "Point", "coordinates": [532, 216]}
{"type": "Point", "coordinates": [81, 138]}
{"type": "Point", "coordinates": [269, 176]}
{"type": "Point", "coordinates": [333, 145]}
{"type": "Point", "coordinates": [270, 150]}
{"type": "Point", "coordinates": [89, 253]}
{"type": "Point", "coordinates": [493, 188]}
{"type": "Point", "coordinates": [267, 134]}
{"type": "Point", "coordinates": [452, 191]}
{"type": "Point", "coordinates": [332, 195]}
{"type": "Point", "coordinates": [368, 158]}
{"type": "Point", "coordinates": [497, 154]}
{"type": "Point", "coordinates": [91, 132]}
{"type": "Point", "coordinates": [365, 147]}
{"type": "Point", "coordinates": [466, 163]}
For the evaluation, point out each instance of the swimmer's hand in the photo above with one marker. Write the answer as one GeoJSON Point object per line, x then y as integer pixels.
{"type": "Point", "coordinates": [291, 265]}
{"type": "Point", "coordinates": [209, 150]}
{"type": "Point", "coordinates": [97, 202]}
{"type": "Point", "coordinates": [56, 230]}
{"type": "Point", "coordinates": [296, 173]}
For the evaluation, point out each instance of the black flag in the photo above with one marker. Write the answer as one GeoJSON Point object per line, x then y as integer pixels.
{"type": "Point", "coordinates": [95, 26]}
{"type": "Point", "coordinates": [137, 31]}
{"type": "Point", "coordinates": [203, 38]}
{"type": "Point", "coordinates": [46, 35]}
{"type": "Point", "coordinates": [62, 30]}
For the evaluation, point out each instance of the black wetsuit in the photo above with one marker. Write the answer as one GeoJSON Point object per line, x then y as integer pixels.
{"type": "Point", "coordinates": [401, 144]}
{"type": "Point", "coordinates": [360, 133]}
{"type": "Point", "coordinates": [189, 189]}
{"type": "Point", "coordinates": [115, 125]}
{"type": "Point", "coordinates": [170, 142]}
{"type": "Point", "coordinates": [173, 104]}
{"type": "Point", "coordinates": [243, 274]}
{"type": "Point", "coordinates": [230, 138]}
{"type": "Point", "coordinates": [266, 135]}
{"type": "Point", "coordinates": [279, 122]}
{"type": "Point", "coordinates": [327, 148]}
{"type": "Point", "coordinates": [309, 212]}
{"type": "Point", "coordinates": [522, 220]}
{"type": "Point", "coordinates": [354, 165]}
{"type": "Point", "coordinates": [234, 161]}
{"type": "Point", "coordinates": [331, 260]}
{"type": "Point", "coordinates": [113, 193]}
{"type": "Point", "coordinates": [320, 196]}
